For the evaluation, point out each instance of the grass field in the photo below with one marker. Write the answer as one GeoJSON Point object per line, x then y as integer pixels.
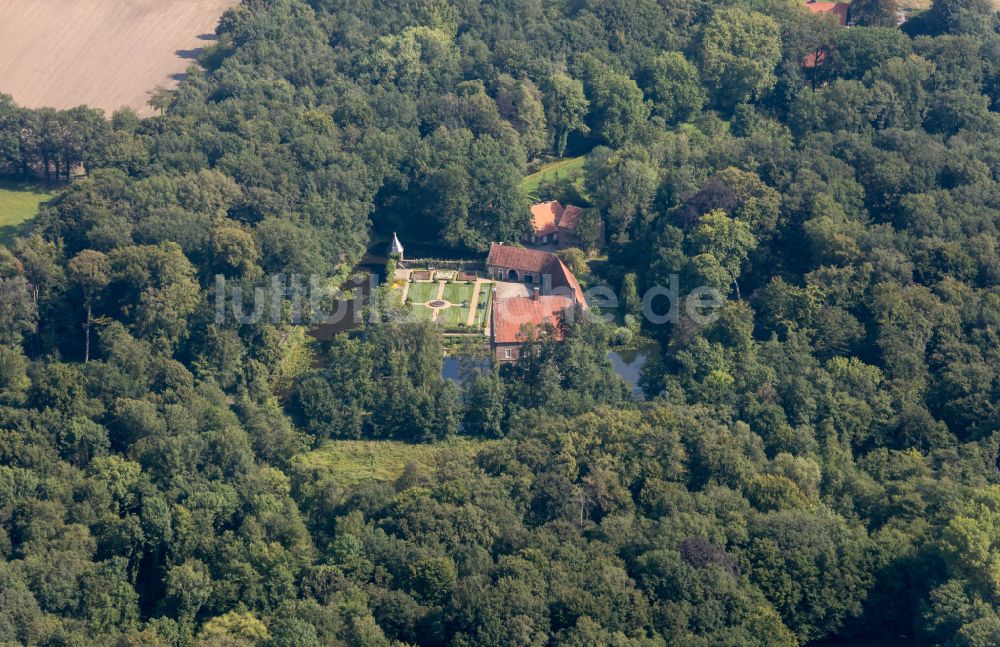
{"type": "Point", "coordinates": [357, 461]}
{"type": "Point", "coordinates": [101, 53]}
{"type": "Point", "coordinates": [571, 169]}
{"type": "Point", "coordinates": [19, 203]}
{"type": "Point", "coordinates": [422, 292]}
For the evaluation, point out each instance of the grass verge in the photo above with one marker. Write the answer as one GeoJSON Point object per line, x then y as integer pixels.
{"type": "Point", "coordinates": [485, 299]}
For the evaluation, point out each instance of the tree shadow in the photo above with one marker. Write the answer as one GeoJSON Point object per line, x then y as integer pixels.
{"type": "Point", "coordinates": [9, 232]}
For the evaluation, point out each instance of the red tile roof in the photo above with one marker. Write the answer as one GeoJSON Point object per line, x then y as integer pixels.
{"type": "Point", "coordinates": [838, 9]}
{"type": "Point", "coordinates": [518, 258]}
{"type": "Point", "coordinates": [570, 217]}
{"type": "Point", "coordinates": [813, 59]}
{"type": "Point", "coordinates": [564, 279]}
{"type": "Point", "coordinates": [549, 217]}
{"type": "Point", "coordinates": [511, 314]}
{"type": "Point", "coordinates": [545, 217]}
{"type": "Point", "coordinates": [553, 272]}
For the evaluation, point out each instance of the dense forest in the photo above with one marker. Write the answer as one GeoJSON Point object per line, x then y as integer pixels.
{"type": "Point", "coordinates": [821, 461]}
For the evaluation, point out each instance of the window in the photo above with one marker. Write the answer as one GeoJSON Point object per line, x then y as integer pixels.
{"type": "Point", "coordinates": [508, 353]}
{"type": "Point", "coordinates": [528, 278]}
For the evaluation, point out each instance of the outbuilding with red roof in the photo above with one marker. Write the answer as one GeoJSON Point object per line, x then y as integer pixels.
{"type": "Point", "coordinates": [554, 224]}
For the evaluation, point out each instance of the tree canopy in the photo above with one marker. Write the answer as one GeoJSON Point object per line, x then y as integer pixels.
{"type": "Point", "coordinates": [818, 461]}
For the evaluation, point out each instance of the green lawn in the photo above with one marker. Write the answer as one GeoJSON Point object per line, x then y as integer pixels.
{"type": "Point", "coordinates": [459, 292]}
{"type": "Point", "coordinates": [571, 169]}
{"type": "Point", "coordinates": [422, 292]}
{"type": "Point", "coordinates": [453, 318]}
{"type": "Point", "coordinates": [19, 203]}
{"type": "Point", "coordinates": [422, 313]}
{"type": "Point", "coordinates": [350, 462]}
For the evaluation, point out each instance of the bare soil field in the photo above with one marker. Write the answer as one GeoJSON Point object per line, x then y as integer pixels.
{"type": "Point", "coordinates": [102, 53]}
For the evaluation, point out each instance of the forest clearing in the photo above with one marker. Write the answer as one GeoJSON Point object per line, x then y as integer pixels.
{"type": "Point", "coordinates": [350, 462]}
{"type": "Point", "coordinates": [19, 202]}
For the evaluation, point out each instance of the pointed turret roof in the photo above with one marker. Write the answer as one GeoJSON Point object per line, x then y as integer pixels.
{"type": "Point", "coordinates": [395, 247]}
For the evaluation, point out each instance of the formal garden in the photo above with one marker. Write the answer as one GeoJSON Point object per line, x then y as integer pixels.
{"type": "Point", "coordinates": [457, 301]}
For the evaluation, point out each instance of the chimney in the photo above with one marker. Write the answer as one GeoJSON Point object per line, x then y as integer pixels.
{"type": "Point", "coordinates": [534, 294]}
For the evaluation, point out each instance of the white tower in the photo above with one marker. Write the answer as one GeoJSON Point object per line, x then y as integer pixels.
{"type": "Point", "coordinates": [396, 247]}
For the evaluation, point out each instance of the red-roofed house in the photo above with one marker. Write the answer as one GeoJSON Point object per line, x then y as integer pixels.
{"type": "Point", "coordinates": [813, 59]}
{"type": "Point", "coordinates": [517, 264]}
{"type": "Point", "coordinates": [517, 318]}
{"type": "Point", "coordinates": [554, 224]}
{"type": "Point", "coordinates": [838, 9]}
{"type": "Point", "coordinates": [544, 221]}
{"type": "Point", "coordinates": [534, 268]}
{"type": "Point", "coordinates": [554, 289]}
